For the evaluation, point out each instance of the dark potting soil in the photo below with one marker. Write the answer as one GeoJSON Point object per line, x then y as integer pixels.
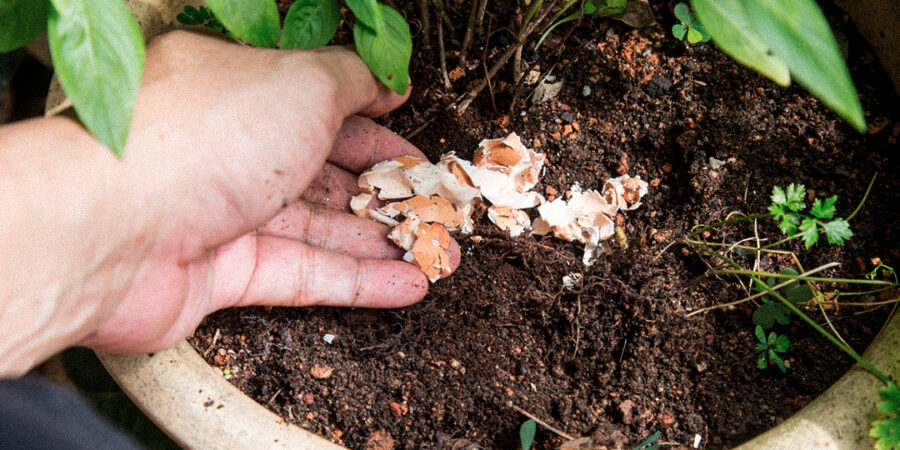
{"type": "Point", "coordinates": [616, 356]}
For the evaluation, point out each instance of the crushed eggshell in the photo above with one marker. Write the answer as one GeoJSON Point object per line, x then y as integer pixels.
{"type": "Point", "coordinates": [426, 246]}
{"type": "Point", "coordinates": [625, 192]}
{"type": "Point", "coordinates": [515, 221]}
{"type": "Point", "coordinates": [423, 202]}
{"type": "Point", "coordinates": [586, 217]}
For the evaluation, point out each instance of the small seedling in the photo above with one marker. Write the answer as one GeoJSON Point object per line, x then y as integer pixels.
{"type": "Point", "coordinates": [769, 348]}
{"type": "Point", "coordinates": [526, 433]}
{"type": "Point", "coordinates": [771, 311]}
{"type": "Point", "coordinates": [649, 443]}
{"type": "Point", "coordinates": [888, 430]}
{"type": "Point", "coordinates": [689, 29]}
{"type": "Point", "coordinates": [199, 16]}
{"type": "Point", "coordinates": [787, 207]}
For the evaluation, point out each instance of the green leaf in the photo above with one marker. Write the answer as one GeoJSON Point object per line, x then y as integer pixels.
{"type": "Point", "coordinates": [760, 335]}
{"type": "Point", "coordinates": [798, 294]}
{"type": "Point", "coordinates": [837, 231]}
{"type": "Point", "coordinates": [888, 431]}
{"type": "Point", "coordinates": [762, 362]}
{"type": "Point", "coordinates": [255, 22]}
{"type": "Point", "coordinates": [526, 433]}
{"type": "Point", "coordinates": [679, 31]}
{"type": "Point", "coordinates": [21, 21]}
{"type": "Point", "coordinates": [727, 23]}
{"type": "Point", "coordinates": [890, 395]}
{"type": "Point", "coordinates": [824, 210]}
{"type": "Point", "coordinates": [810, 233]}
{"type": "Point", "coordinates": [782, 343]}
{"type": "Point", "coordinates": [797, 33]}
{"type": "Point", "coordinates": [387, 54]}
{"type": "Point", "coordinates": [789, 224]}
{"type": "Point", "coordinates": [369, 12]}
{"type": "Point", "coordinates": [98, 53]}
{"type": "Point", "coordinates": [648, 443]}
{"type": "Point", "coordinates": [694, 36]}
{"type": "Point", "coordinates": [682, 12]}
{"type": "Point", "coordinates": [779, 362]}
{"type": "Point", "coordinates": [794, 194]}
{"type": "Point", "coordinates": [195, 14]}
{"type": "Point", "coordinates": [185, 19]}
{"type": "Point", "coordinates": [769, 313]}
{"type": "Point", "coordinates": [310, 24]}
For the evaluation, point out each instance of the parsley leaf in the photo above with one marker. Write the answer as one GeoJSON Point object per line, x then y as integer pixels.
{"type": "Point", "coordinates": [824, 210]}
{"type": "Point", "coordinates": [888, 431]}
{"type": "Point", "coordinates": [810, 232]}
{"type": "Point", "coordinates": [794, 196]}
{"type": "Point", "coordinates": [837, 231]}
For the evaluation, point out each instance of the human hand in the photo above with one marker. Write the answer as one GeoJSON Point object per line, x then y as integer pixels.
{"type": "Point", "coordinates": [233, 191]}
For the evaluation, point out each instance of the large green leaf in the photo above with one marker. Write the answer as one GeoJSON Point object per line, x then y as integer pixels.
{"type": "Point", "coordinates": [387, 53]}
{"type": "Point", "coordinates": [730, 27]}
{"type": "Point", "coordinates": [98, 53]}
{"type": "Point", "coordinates": [368, 12]}
{"type": "Point", "coordinates": [21, 21]}
{"type": "Point", "coordinates": [310, 23]}
{"type": "Point", "coordinates": [255, 22]}
{"type": "Point", "coordinates": [797, 32]}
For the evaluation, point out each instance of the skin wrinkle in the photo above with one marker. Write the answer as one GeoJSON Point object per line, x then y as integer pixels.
{"type": "Point", "coordinates": [241, 297]}
{"type": "Point", "coordinates": [361, 275]}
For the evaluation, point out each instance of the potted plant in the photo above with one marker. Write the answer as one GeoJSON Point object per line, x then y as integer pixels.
{"type": "Point", "coordinates": [209, 412]}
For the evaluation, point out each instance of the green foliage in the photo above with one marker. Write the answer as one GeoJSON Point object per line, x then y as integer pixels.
{"type": "Point", "coordinates": [98, 53]}
{"type": "Point", "coordinates": [386, 53]}
{"type": "Point", "coordinates": [526, 433]}
{"type": "Point", "coordinates": [784, 38]}
{"type": "Point", "coordinates": [787, 208]}
{"type": "Point", "coordinates": [21, 21]}
{"type": "Point", "coordinates": [728, 24]}
{"type": "Point", "coordinates": [689, 29]}
{"type": "Point", "coordinates": [604, 8]}
{"type": "Point", "coordinates": [649, 443]}
{"type": "Point", "coordinates": [888, 430]}
{"type": "Point", "coordinates": [202, 17]}
{"type": "Point", "coordinates": [771, 311]}
{"type": "Point", "coordinates": [369, 13]}
{"type": "Point", "coordinates": [595, 8]}
{"type": "Point", "coordinates": [310, 24]}
{"type": "Point", "coordinates": [768, 348]}
{"type": "Point", "coordinates": [254, 22]}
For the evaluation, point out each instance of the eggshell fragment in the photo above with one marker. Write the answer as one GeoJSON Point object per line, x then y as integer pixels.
{"type": "Point", "coordinates": [429, 200]}
{"type": "Point", "coordinates": [509, 156]}
{"type": "Point", "coordinates": [625, 192]}
{"type": "Point", "coordinates": [515, 221]}
{"type": "Point", "coordinates": [497, 187]}
{"type": "Point", "coordinates": [426, 246]}
{"type": "Point", "coordinates": [428, 209]}
{"type": "Point", "coordinates": [586, 217]}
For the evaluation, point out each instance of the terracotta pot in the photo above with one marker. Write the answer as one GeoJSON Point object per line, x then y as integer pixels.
{"type": "Point", "coordinates": [198, 408]}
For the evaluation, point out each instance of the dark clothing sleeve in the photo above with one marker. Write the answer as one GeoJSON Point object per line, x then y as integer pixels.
{"type": "Point", "coordinates": [38, 415]}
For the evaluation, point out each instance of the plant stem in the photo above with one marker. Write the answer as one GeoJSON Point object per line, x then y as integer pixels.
{"type": "Point", "coordinates": [752, 273]}
{"type": "Point", "coordinates": [532, 10]}
{"type": "Point", "coordinates": [824, 332]}
{"type": "Point", "coordinates": [865, 196]}
{"type": "Point", "coordinates": [726, 222]}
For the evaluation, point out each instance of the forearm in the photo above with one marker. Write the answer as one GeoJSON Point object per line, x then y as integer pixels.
{"type": "Point", "coordinates": [63, 216]}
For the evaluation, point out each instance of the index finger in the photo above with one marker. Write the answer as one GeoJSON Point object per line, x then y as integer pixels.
{"type": "Point", "coordinates": [361, 143]}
